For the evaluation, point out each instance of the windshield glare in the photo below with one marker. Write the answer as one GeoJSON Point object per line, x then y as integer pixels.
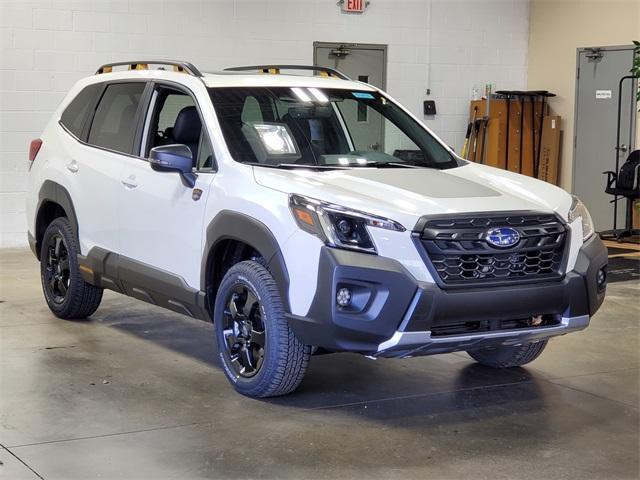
{"type": "Point", "coordinates": [324, 128]}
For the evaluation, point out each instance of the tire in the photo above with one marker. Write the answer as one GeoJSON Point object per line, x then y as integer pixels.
{"type": "Point", "coordinates": [508, 356]}
{"type": "Point", "coordinates": [66, 293]}
{"type": "Point", "coordinates": [260, 355]}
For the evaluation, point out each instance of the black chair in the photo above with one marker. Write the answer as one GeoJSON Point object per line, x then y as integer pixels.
{"type": "Point", "coordinates": [187, 129]}
{"type": "Point", "coordinates": [626, 184]}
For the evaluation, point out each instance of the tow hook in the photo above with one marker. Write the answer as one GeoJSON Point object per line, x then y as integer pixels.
{"type": "Point", "coordinates": [535, 320]}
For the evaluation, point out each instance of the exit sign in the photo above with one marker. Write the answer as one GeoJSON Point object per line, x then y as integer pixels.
{"type": "Point", "coordinates": [354, 6]}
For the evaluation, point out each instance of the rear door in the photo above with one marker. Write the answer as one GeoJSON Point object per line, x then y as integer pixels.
{"type": "Point", "coordinates": [96, 165]}
{"type": "Point", "coordinates": [161, 220]}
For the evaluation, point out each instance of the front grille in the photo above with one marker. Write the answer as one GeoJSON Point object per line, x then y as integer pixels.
{"type": "Point", "coordinates": [457, 251]}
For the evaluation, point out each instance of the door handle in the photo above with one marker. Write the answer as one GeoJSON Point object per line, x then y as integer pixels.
{"type": "Point", "coordinates": [130, 182]}
{"type": "Point", "coordinates": [72, 166]}
{"type": "Point", "coordinates": [622, 148]}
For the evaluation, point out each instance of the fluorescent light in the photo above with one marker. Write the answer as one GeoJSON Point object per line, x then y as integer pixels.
{"type": "Point", "coordinates": [301, 94]}
{"type": "Point", "coordinates": [320, 96]}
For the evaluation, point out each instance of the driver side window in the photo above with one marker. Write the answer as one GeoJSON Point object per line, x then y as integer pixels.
{"type": "Point", "coordinates": [176, 120]}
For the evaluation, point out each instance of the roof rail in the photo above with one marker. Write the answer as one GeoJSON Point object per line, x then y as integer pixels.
{"type": "Point", "coordinates": [144, 65]}
{"type": "Point", "coordinates": [324, 71]}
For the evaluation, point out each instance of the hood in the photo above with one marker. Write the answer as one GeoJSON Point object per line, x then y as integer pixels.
{"type": "Point", "coordinates": [406, 194]}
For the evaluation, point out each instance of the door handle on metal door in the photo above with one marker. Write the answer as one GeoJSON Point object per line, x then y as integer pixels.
{"type": "Point", "coordinates": [130, 182]}
{"type": "Point", "coordinates": [72, 166]}
{"type": "Point", "coordinates": [622, 148]}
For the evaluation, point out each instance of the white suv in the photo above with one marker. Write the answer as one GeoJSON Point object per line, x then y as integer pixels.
{"type": "Point", "coordinates": [302, 214]}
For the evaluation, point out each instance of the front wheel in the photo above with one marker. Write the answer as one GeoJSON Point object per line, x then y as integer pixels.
{"type": "Point", "coordinates": [508, 356]}
{"type": "Point", "coordinates": [260, 354]}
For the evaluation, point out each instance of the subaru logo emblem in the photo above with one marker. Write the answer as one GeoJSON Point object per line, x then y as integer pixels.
{"type": "Point", "coordinates": [502, 237]}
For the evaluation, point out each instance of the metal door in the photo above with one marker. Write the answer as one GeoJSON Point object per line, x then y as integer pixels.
{"type": "Point", "coordinates": [366, 63]}
{"type": "Point", "coordinates": [595, 128]}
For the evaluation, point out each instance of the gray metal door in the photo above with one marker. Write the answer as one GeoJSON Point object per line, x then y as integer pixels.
{"type": "Point", "coordinates": [596, 115]}
{"type": "Point", "coordinates": [366, 63]}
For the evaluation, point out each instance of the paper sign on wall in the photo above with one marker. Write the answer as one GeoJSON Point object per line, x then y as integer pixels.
{"type": "Point", "coordinates": [603, 94]}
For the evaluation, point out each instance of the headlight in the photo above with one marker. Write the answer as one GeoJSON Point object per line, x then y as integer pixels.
{"type": "Point", "coordinates": [338, 226]}
{"type": "Point", "coordinates": [578, 210]}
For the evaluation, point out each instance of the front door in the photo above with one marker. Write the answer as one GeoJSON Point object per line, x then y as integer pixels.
{"type": "Point", "coordinates": [599, 75]}
{"type": "Point", "coordinates": [365, 63]}
{"type": "Point", "coordinates": [161, 219]}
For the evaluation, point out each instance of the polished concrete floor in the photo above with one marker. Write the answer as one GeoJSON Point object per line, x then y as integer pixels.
{"type": "Point", "coordinates": [136, 392]}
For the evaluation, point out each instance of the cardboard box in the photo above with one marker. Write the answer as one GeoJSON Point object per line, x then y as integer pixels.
{"type": "Point", "coordinates": [549, 156]}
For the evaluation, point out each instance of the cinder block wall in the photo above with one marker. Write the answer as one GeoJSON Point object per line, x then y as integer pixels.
{"type": "Point", "coordinates": [46, 45]}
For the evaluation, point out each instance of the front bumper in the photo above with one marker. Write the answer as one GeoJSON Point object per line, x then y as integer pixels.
{"type": "Point", "coordinates": [393, 315]}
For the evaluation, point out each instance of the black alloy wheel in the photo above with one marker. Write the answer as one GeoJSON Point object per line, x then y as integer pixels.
{"type": "Point", "coordinates": [244, 331]}
{"type": "Point", "coordinates": [57, 271]}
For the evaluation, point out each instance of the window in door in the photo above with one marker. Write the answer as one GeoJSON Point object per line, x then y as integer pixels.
{"type": "Point", "coordinates": [114, 122]}
{"type": "Point", "coordinates": [73, 117]}
{"type": "Point", "coordinates": [176, 120]}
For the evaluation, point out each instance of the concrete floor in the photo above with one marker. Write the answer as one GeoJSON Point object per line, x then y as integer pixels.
{"type": "Point", "coordinates": [136, 392]}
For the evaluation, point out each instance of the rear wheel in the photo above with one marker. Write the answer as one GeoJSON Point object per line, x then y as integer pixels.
{"type": "Point", "coordinates": [66, 293]}
{"type": "Point", "coordinates": [260, 354]}
{"type": "Point", "coordinates": [508, 356]}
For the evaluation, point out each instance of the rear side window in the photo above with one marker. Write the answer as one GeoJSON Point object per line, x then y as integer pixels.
{"type": "Point", "coordinates": [75, 114]}
{"type": "Point", "coordinates": [113, 125]}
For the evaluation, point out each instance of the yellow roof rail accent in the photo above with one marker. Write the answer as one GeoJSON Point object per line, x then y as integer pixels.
{"type": "Point", "coordinates": [178, 66]}
{"type": "Point", "coordinates": [323, 71]}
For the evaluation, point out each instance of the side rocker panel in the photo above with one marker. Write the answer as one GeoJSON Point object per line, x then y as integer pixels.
{"type": "Point", "coordinates": [228, 225]}
{"type": "Point", "coordinates": [135, 279]}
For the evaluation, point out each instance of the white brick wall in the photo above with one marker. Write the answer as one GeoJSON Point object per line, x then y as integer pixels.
{"type": "Point", "coordinates": [45, 45]}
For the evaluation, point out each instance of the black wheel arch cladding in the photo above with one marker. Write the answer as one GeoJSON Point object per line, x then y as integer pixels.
{"type": "Point", "coordinates": [53, 193]}
{"type": "Point", "coordinates": [230, 225]}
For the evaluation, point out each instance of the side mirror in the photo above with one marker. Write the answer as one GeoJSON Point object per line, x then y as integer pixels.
{"type": "Point", "coordinates": [174, 158]}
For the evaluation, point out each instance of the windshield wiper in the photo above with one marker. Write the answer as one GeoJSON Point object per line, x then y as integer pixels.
{"type": "Point", "coordinates": [387, 165]}
{"type": "Point", "coordinates": [297, 165]}
{"type": "Point", "coordinates": [337, 167]}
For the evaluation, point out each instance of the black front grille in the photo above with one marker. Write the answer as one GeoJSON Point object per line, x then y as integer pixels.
{"type": "Point", "coordinates": [457, 251]}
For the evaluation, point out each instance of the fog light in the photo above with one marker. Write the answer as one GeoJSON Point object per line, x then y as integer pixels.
{"type": "Point", "coordinates": [343, 298]}
{"type": "Point", "coordinates": [601, 278]}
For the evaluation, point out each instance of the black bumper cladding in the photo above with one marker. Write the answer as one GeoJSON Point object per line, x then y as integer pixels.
{"type": "Point", "coordinates": [392, 315]}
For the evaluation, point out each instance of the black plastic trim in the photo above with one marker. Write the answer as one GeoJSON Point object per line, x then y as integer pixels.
{"type": "Point", "coordinates": [391, 289]}
{"type": "Point", "coordinates": [53, 192]}
{"type": "Point", "coordinates": [410, 306]}
{"type": "Point", "coordinates": [230, 225]}
{"type": "Point", "coordinates": [32, 244]}
{"type": "Point", "coordinates": [121, 274]}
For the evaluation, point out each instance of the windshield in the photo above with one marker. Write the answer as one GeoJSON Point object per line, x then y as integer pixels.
{"type": "Point", "coordinates": [323, 128]}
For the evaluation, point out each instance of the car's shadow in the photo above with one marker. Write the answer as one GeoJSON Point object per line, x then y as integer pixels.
{"type": "Point", "coordinates": [424, 385]}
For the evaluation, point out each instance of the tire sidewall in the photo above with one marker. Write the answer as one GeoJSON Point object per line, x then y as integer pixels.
{"type": "Point", "coordinates": [60, 226]}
